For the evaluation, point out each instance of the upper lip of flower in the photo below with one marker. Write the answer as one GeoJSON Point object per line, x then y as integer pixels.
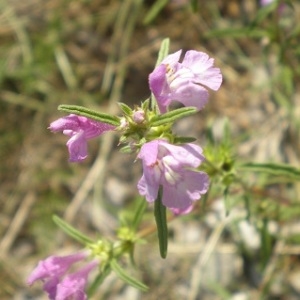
{"type": "Point", "coordinates": [172, 79]}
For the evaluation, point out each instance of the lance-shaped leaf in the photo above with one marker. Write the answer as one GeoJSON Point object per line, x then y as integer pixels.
{"type": "Point", "coordinates": [155, 10]}
{"type": "Point", "coordinates": [284, 170]}
{"type": "Point", "coordinates": [139, 213]}
{"type": "Point", "coordinates": [126, 277]}
{"type": "Point", "coordinates": [163, 51]}
{"type": "Point", "coordinates": [126, 149]}
{"type": "Point", "coordinates": [263, 13]}
{"type": "Point", "coordinates": [86, 112]}
{"type": "Point", "coordinates": [184, 139]}
{"type": "Point", "coordinates": [71, 231]}
{"type": "Point", "coordinates": [237, 33]}
{"type": "Point", "coordinates": [146, 104]}
{"type": "Point", "coordinates": [160, 215]}
{"type": "Point", "coordinates": [172, 116]}
{"type": "Point", "coordinates": [126, 109]}
{"type": "Point", "coordinates": [226, 200]}
{"type": "Point", "coordinates": [194, 5]}
{"type": "Point", "coordinates": [98, 281]}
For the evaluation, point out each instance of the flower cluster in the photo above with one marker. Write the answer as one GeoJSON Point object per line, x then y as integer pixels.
{"type": "Point", "coordinates": [164, 164]}
{"type": "Point", "coordinates": [59, 286]}
{"type": "Point", "coordinates": [169, 162]}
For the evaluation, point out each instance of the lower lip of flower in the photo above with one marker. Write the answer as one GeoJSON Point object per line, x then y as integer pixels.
{"type": "Point", "coordinates": [171, 176]}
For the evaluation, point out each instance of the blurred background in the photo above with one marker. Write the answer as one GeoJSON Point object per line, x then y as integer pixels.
{"type": "Point", "coordinates": [96, 53]}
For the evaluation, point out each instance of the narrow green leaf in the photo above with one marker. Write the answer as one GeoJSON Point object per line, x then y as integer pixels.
{"type": "Point", "coordinates": [226, 201]}
{"type": "Point", "coordinates": [294, 32]}
{"type": "Point", "coordinates": [71, 231]}
{"type": "Point", "coordinates": [210, 134]}
{"type": "Point", "coordinates": [125, 108]}
{"type": "Point", "coordinates": [266, 241]}
{"type": "Point", "coordinates": [126, 277]}
{"type": "Point", "coordinates": [194, 5]}
{"type": "Point", "coordinates": [247, 206]}
{"type": "Point", "coordinates": [145, 104]}
{"type": "Point", "coordinates": [184, 139]}
{"type": "Point", "coordinates": [237, 33]}
{"type": "Point", "coordinates": [163, 51]}
{"type": "Point", "coordinates": [126, 149]}
{"type": "Point", "coordinates": [273, 169]}
{"type": "Point", "coordinates": [204, 200]}
{"type": "Point", "coordinates": [263, 13]}
{"type": "Point", "coordinates": [82, 111]}
{"type": "Point", "coordinates": [172, 116]}
{"type": "Point", "coordinates": [226, 133]}
{"type": "Point", "coordinates": [154, 11]}
{"type": "Point", "coordinates": [160, 214]}
{"type": "Point", "coordinates": [139, 212]}
{"type": "Point", "coordinates": [98, 281]}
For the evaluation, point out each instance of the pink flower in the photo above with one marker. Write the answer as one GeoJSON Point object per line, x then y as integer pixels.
{"type": "Point", "coordinates": [138, 116]}
{"type": "Point", "coordinates": [51, 271]}
{"type": "Point", "coordinates": [280, 7]}
{"type": "Point", "coordinates": [179, 212]}
{"type": "Point", "coordinates": [265, 2]}
{"type": "Point", "coordinates": [170, 166]}
{"type": "Point", "coordinates": [73, 285]}
{"type": "Point", "coordinates": [184, 81]}
{"type": "Point", "coordinates": [54, 266]}
{"type": "Point", "coordinates": [80, 129]}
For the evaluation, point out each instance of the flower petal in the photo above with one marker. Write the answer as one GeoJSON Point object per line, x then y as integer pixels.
{"type": "Point", "coordinates": [148, 188]}
{"type": "Point", "coordinates": [179, 212]}
{"type": "Point", "coordinates": [54, 266]}
{"type": "Point", "coordinates": [172, 58]}
{"type": "Point", "coordinates": [184, 81]}
{"type": "Point", "coordinates": [77, 146]}
{"type": "Point", "coordinates": [73, 285]}
{"type": "Point", "coordinates": [50, 287]}
{"type": "Point", "coordinates": [189, 154]}
{"type": "Point", "coordinates": [80, 129]}
{"type": "Point", "coordinates": [159, 87]}
{"type": "Point", "coordinates": [169, 166]}
{"type": "Point", "coordinates": [185, 192]}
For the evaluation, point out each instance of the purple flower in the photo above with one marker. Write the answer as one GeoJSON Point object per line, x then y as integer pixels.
{"type": "Point", "coordinates": [54, 266]}
{"type": "Point", "coordinates": [280, 7]}
{"type": "Point", "coordinates": [51, 271]}
{"type": "Point", "coordinates": [80, 129]}
{"type": "Point", "coordinates": [73, 285]}
{"type": "Point", "coordinates": [170, 166]}
{"type": "Point", "coordinates": [265, 2]}
{"type": "Point", "coordinates": [184, 81]}
{"type": "Point", "coordinates": [179, 212]}
{"type": "Point", "coordinates": [138, 116]}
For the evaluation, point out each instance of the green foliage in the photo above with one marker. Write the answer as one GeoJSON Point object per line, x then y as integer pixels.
{"type": "Point", "coordinates": [155, 10]}
{"type": "Point", "coordinates": [172, 116]}
{"type": "Point", "coordinates": [220, 161]}
{"type": "Point", "coordinates": [82, 111]}
{"type": "Point", "coordinates": [163, 50]}
{"type": "Point", "coordinates": [71, 231]}
{"type": "Point", "coordinates": [56, 54]}
{"type": "Point", "coordinates": [273, 169]}
{"type": "Point", "coordinates": [160, 214]}
{"type": "Point", "coordinates": [126, 277]}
